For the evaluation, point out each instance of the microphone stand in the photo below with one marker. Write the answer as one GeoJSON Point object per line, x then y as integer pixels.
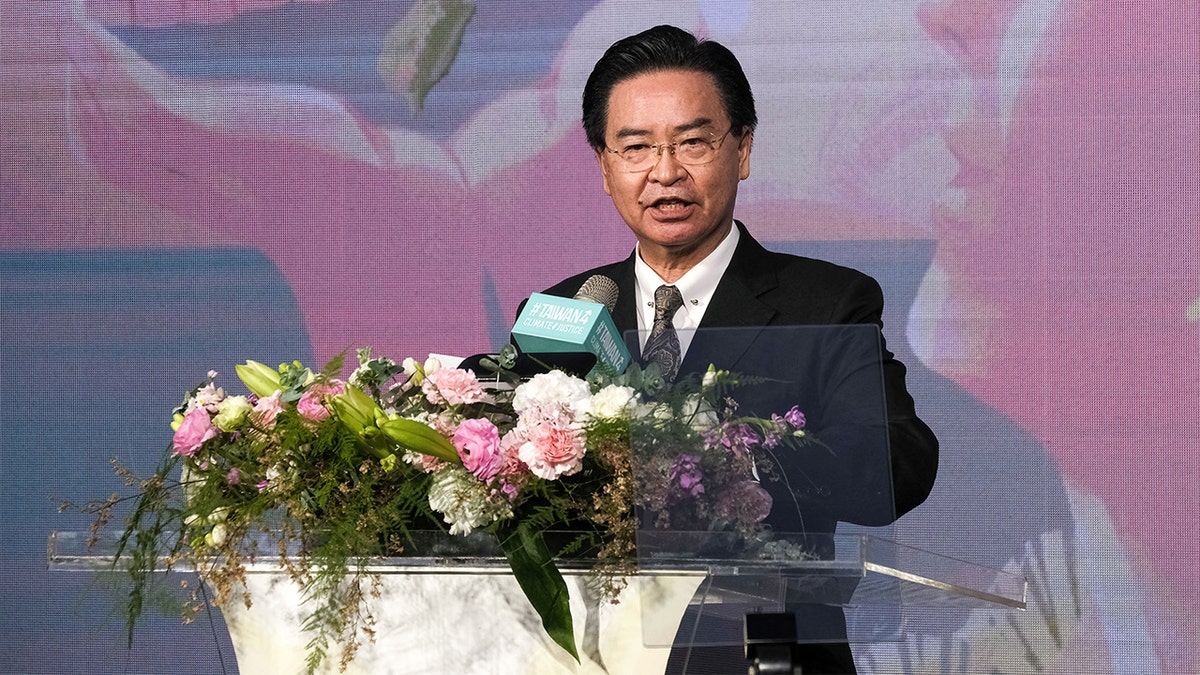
{"type": "Point", "coordinates": [771, 644]}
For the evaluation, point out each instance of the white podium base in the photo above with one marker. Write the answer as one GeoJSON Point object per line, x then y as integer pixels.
{"type": "Point", "coordinates": [466, 623]}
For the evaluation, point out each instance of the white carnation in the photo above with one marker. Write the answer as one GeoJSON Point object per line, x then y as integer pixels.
{"type": "Point", "coordinates": [552, 388]}
{"type": "Point", "coordinates": [463, 500]}
{"type": "Point", "coordinates": [612, 401]}
{"type": "Point", "coordinates": [700, 415]}
{"type": "Point", "coordinates": [658, 411]}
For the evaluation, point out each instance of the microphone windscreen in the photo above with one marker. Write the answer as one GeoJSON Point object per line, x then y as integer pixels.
{"type": "Point", "coordinates": [600, 290]}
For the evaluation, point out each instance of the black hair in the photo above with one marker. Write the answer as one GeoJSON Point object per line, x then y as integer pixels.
{"type": "Point", "coordinates": [666, 48]}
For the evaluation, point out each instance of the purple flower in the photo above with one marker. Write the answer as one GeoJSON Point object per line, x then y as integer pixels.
{"type": "Point", "coordinates": [505, 488]}
{"type": "Point", "coordinates": [736, 437]}
{"type": "Point", "coordinates": [741, 438]}
{"type": "Point", "coordinates": [774, 430]}
{"type": "Point", "coordinates": [686, 470]}
{"type": "Point", "coordinates": [795, 418]}
{"type": "Point", "coordinates": [745, 501]}
{"type": "Point", "coordinates": [232, 477]}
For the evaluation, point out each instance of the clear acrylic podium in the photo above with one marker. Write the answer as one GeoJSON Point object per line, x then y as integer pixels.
{"type": "Point", "coordinates": [452, 605]}
{"type": "Point", "coordinates": [458, 609]}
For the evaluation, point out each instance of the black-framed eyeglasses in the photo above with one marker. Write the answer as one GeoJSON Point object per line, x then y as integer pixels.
{"type": "Point", "coordinates": [693, 148]}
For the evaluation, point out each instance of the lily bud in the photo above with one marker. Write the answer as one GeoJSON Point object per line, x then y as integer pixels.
{"type": "Point", "coordinates": [217, 536]}
{"type": "Point", "coordinates": [355, 409]}
{"type": "Point", "coordinates": [260, 379]}
{"type": "Point", "coordinates": [414, 370]}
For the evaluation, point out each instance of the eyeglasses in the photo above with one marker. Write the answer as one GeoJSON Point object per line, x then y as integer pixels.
{"type": "Point", "coordinates": [694, 149]}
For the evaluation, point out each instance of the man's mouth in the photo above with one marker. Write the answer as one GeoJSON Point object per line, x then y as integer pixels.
{"type": "Point", "coordinates": [668, 204]}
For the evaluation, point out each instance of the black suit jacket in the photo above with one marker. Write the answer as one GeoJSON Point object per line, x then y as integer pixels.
{"type": "Point", "coordinates": [765, 288]}
{"type": "Point", "coordinates": [762, 288]}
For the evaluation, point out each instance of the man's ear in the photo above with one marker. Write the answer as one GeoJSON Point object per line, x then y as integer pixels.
{"type": "Point", "coordinates": [603, 170]}
{"type": "Point", "coordinates": [745, 143]}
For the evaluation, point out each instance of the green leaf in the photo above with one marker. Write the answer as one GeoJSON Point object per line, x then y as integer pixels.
{"type": "Point", "coordinates": [535, 571]}
{"type": "Point", "coordinates": [334, 367]}
{"type": "Point", "coordinates": [419, 50]}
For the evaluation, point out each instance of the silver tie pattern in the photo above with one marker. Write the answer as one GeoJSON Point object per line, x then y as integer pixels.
{"type": "Point", "coordinates": [662, 347]}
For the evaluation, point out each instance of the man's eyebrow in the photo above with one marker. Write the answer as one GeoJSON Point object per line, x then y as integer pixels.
{"type": "Point", "coordinates": [629, 133]}
{"type": "Point", "coordinates": [698, 123]}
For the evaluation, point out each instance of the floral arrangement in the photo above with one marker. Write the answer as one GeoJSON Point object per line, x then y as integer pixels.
{"type": "Point", "coordinates": [350, 468]}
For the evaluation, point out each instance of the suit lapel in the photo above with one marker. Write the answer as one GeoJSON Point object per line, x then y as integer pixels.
{"type": "Point", "coordinates": [737, 299]}
{"type": "Point", "coordinates": [737, 302]}
{"type": "Point", "coordinates": [624, 313]}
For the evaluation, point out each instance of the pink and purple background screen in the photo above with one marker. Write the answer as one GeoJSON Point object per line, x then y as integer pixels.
{"type": "Point", "coordinates": [190, 184]}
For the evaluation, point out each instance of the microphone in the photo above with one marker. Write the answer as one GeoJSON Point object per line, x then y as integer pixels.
{"type": "Point", "coordinates": [549, 324]}
{"type": "Point", "coordinates": [600, 290]}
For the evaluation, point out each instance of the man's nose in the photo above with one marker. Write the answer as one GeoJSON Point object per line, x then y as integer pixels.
{"type": "Point", "coordinates": [667, 169]}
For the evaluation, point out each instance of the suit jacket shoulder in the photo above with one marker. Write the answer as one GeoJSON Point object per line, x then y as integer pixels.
{"type": "Point", "coordinates": [766, 288]}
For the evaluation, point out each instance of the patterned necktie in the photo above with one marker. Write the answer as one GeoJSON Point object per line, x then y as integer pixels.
{"type": "Point", "coordinates": [662, 347]}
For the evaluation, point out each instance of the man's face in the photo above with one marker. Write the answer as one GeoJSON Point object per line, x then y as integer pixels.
{"type": "Point", "coordinates": [679, 213]}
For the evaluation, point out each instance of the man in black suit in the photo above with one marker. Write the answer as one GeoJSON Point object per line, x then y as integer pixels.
{"type": "Point", "coordinates": [671, 120]}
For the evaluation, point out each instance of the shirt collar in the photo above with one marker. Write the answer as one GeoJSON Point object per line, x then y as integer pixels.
{"type": "Point", "coordinates": [697, 285]}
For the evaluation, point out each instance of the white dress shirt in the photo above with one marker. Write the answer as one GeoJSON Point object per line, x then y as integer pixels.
{"type": "Point", "coordinates": [697, 286]}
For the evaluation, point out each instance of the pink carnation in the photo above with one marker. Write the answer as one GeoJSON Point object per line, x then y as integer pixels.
{"type": "Point", "coordinates": [453, 386]}
{"type": "Point", "coordinates": [510, 446]}
{"type": "Point", "coordinates": [311, 404]}
{"type": "Point", "coordinates": [478, 444]}
{"type": "Point", "coordinates": [514, 475]}
{"type": "Point", "coordinates": [553, 450]}
{"type": "Point", "coordinates": [196, 428]}
{"type": "Point", "coordinates": [443, 424]}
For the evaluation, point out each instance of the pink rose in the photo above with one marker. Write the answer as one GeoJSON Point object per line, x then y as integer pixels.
{"type": "Point", "coordinates": [453, 386]}
{"type": "Point", "coordinates": [478, 443]}
{"type": "Point", "coordinates": [196, 428]}
{"type": "Point", "coordinates": [553, 450]}
{"type": "Point", "coordinates": [311, 404]}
